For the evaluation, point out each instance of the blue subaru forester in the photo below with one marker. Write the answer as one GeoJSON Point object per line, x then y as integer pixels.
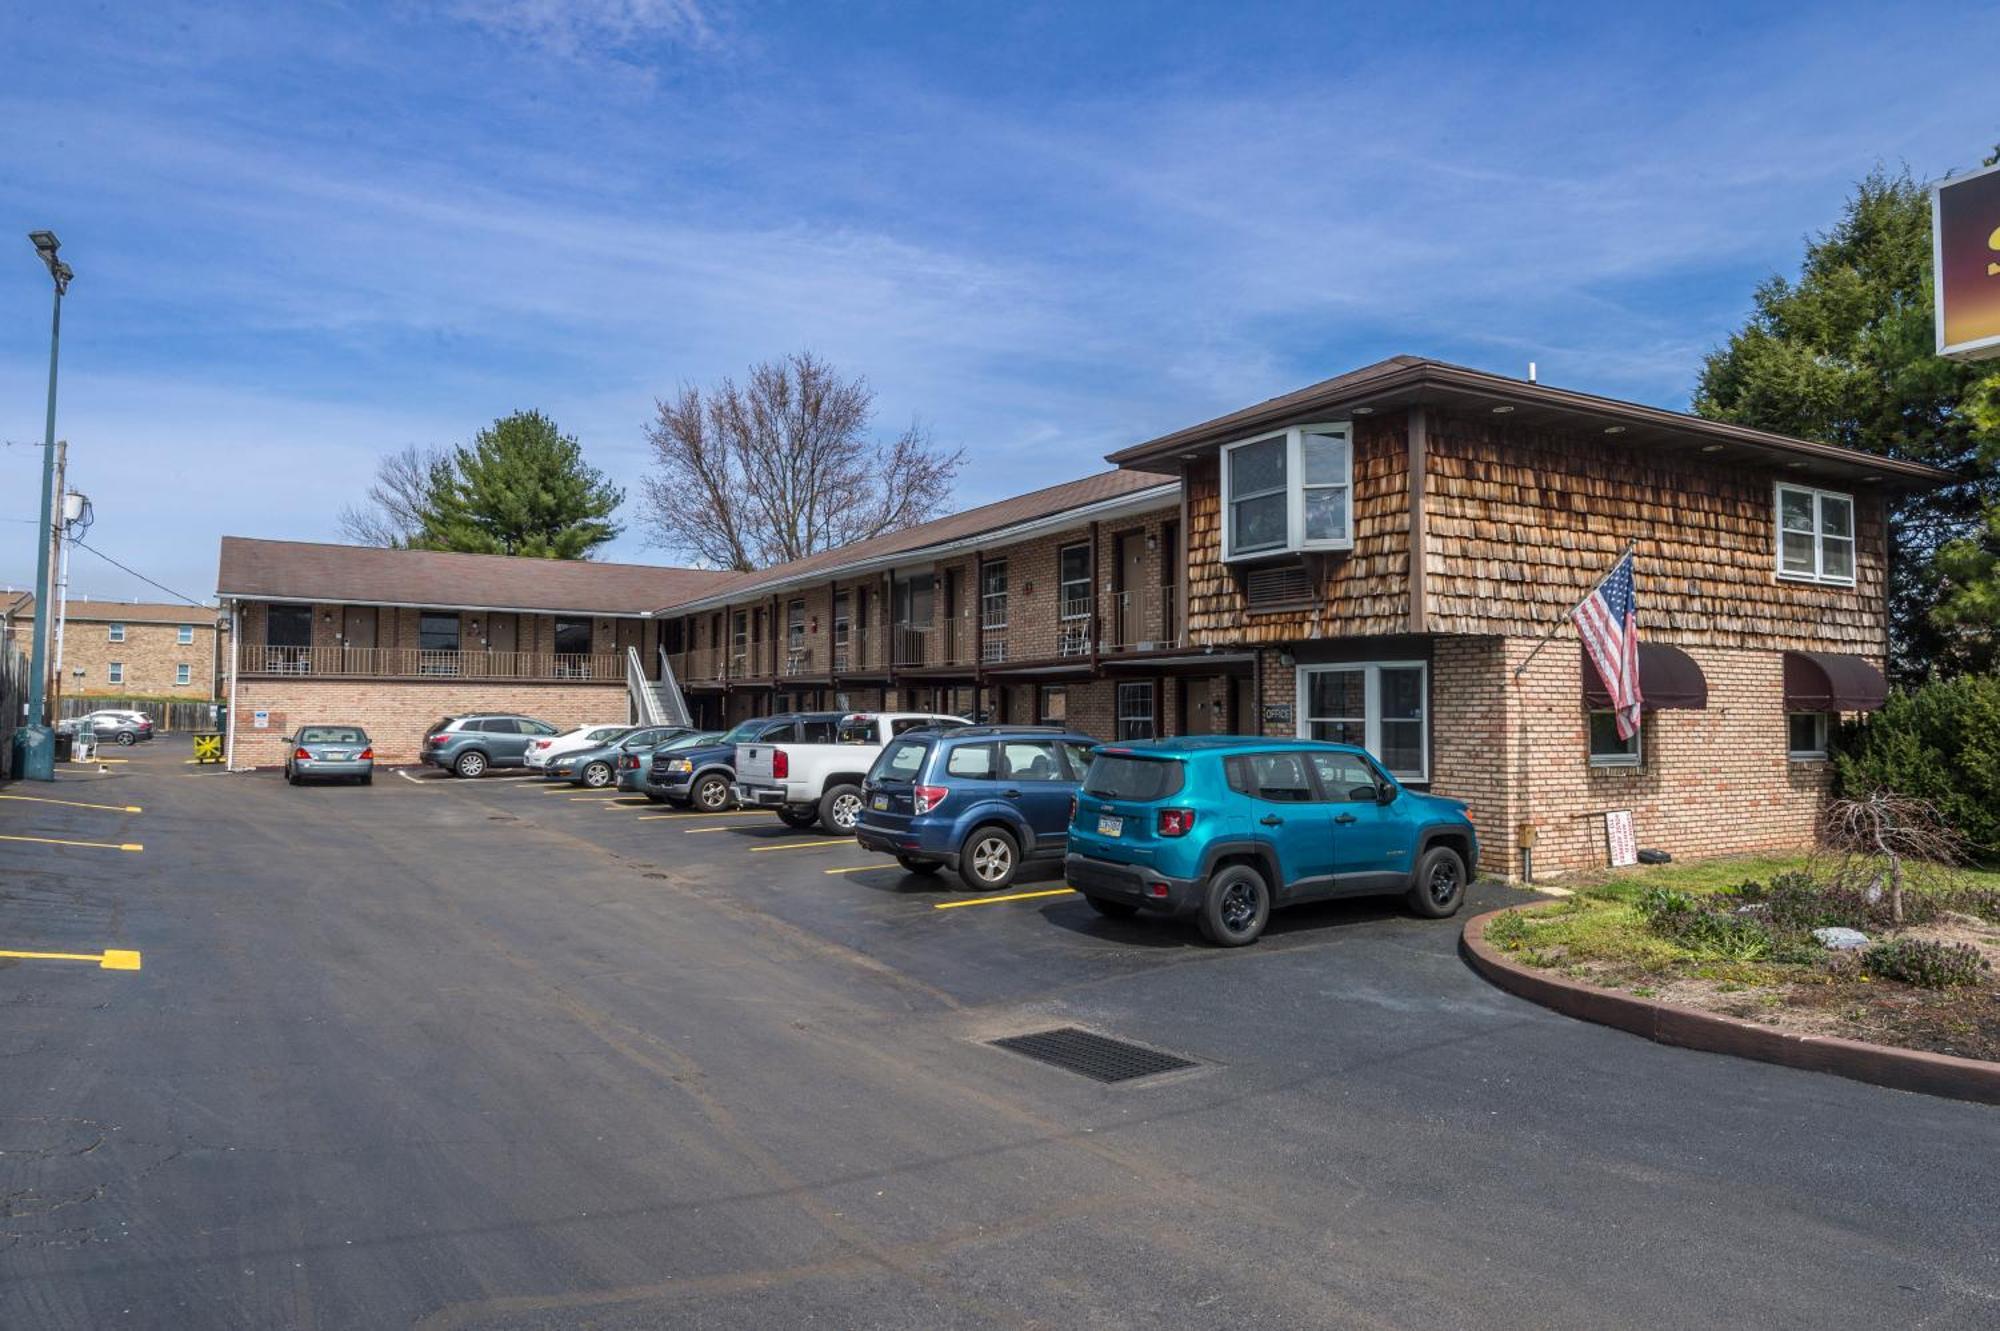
{"type": "Point", "coordinates": [1228, 828]}
{"type": "Point", "coordinates": [982, 800]}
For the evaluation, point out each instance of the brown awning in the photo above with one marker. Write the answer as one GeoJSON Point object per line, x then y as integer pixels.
{"type": "Point", "coordinates": [1668, 678]}
{"type": "Point", "coordinates": [1832, 682]}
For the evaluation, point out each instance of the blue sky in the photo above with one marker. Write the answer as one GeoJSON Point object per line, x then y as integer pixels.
{"type": "Point", "coordinates": [306, 235]}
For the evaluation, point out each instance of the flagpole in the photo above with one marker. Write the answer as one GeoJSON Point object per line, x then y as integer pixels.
{"type": "Point", "coordinates": [1543, 641]}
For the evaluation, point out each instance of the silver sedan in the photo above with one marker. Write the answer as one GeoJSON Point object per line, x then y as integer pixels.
{"type": "Point", "coordinates": [330, 753]}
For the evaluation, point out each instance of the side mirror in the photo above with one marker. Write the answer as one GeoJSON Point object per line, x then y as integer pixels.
{"type": "Point", "coordinates": [1386, 794]}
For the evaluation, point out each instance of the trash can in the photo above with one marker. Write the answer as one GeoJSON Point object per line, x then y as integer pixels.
{"type": "Point", "coordinates": [65, 745]}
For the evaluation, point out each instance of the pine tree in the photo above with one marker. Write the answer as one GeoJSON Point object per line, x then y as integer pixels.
{"type": "Point", "coordinates": [522, 488]}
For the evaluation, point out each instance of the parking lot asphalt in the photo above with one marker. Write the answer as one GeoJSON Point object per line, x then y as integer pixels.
{"type": "Point", "coordinates": [474, 1054]}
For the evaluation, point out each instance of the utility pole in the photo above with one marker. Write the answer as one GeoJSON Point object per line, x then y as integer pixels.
{"type": "Point", "coordinates": [35, 742]}
{"type": "Point", "coordinates": [59, 590]}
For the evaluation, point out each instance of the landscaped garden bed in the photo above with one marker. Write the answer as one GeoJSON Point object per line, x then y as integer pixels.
{"type": "Point", "coordinates": [1737, 937]}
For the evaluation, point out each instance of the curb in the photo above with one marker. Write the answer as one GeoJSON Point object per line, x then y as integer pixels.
{"type": "Point", "coordinates": [1904, 1069]}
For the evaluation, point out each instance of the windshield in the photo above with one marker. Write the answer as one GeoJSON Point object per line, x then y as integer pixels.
{"type": "Point", "coordinates": [331, 735]}
{"type": "Point", "coordinates": [693, 739]}
{"type": "Point", "coordinates": [1124, 777]}
{"type": "Point", "coordinates": [743, 732]}
{"type": "Point", "coordinates": [902, 760]}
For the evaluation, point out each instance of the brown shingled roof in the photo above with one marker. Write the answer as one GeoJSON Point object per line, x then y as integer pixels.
{"type": "Point", "coordinates": [308, 571]}
{"type": "Point", "coordinates": [1036, 504]}
{"type": "Point", "coordinates": [119, 612]}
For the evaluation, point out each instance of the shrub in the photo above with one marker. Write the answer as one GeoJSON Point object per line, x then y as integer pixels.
{"type": "Point", "coordinates": [1508, 932]}
{"type": "Point", "coordinates": [1926, 964]}
{"type": "Point", "coordinates": [1940, 742]}
{"type": "Point", "coordinates": [1698, 927]}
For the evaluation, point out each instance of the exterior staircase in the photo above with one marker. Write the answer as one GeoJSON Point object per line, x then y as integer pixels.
{"type": "Point", "coordinates": [655, 702]}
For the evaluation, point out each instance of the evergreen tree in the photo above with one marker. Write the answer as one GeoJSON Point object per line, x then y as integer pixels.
{"type": "Point", "coordinates": [522, 488]}
{"type": "Point", "coordinates": [1847, 354]}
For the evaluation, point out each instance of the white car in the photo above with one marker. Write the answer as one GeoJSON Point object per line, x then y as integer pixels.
{"type": "Point", "coordinates": [570, 741]}
{"type": "Point", "coordinates": [821, 783]}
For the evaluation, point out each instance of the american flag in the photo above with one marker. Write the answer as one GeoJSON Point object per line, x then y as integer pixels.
{"type": "Point", "coordinates": [1608, 619]}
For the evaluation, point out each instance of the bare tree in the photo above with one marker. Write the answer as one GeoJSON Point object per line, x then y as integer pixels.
{"type": "Point", "coordinates": [407, 484]}
{"type": "Point", "coordinates": [782, 467]}
{"type": "Point", "coordinates": [1885, 840]}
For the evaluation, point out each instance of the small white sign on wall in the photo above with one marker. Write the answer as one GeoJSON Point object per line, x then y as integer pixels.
{"type": "Point", "coordinates": [1619, 836]}
{"type": "Point", "coordinates": [260, 720]}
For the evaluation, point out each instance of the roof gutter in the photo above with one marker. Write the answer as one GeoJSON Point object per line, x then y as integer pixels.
{"type": "Point", "coordinates": [1138, 501]}
{"type": "Point", "coordinates": [328, 599]}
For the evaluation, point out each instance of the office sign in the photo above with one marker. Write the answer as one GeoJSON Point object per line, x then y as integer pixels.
{"type": "Point", "coordinates": [1965, 252]}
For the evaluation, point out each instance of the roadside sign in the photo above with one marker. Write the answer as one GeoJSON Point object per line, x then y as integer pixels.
{"type": "Point", "coordinates": [260, 720]}
{"type": "Point", "coordinates": [208, 748]}
{"type": "Point", "coordinates": [1965, 254]}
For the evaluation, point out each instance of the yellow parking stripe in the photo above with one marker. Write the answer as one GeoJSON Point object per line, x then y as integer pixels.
{"type": "Point", "coordinates": [598, 795]}
{"type": "Point", "coordinates": [695, 831]}
{"type": "Point", "coordinates": [74, 804]}
{"type": "Point", "coordinates": [857, 868]}
{"type": "Point", "coordinates": [641, 803]}
{"type": "Point", "coordinates": [85, 762]}
{"type": "Point", "coordinates": [94, 845]}
{"type": "Point", "coordinates": [800, 845]}
{"type": "Point", "coordinates": [111, 959]}
{"type": "Point", "coordinates": [1011, 896]}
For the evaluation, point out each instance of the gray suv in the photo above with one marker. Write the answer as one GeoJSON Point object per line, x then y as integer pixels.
{"type": "Point", "coordinates": [468, 745]}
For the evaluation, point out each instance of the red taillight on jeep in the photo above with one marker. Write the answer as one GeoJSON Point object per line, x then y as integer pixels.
{"type": "Point", "coordinates": [925, 798]}
{"type": "Point", "coordinates": [302, 753]}
{"type": "Point", "coordinates": [1176, 822]}
{"type": "Point", "coordinates": [366, 754]}
{"type": "Point", "coordinates": [781, 766]}
{"type": "Point", "coordinates": [1072, 808]}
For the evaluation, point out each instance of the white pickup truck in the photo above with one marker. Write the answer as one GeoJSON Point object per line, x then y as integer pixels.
{"type": "Point", "coordinates": [821, 783]}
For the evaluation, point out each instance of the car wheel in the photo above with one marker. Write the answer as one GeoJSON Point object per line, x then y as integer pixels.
{"type": "Point", "coordinates": [800, 816]}
{"type": "Point", "coordinates": [1439, 889]}
{"type": "Point", "coordinates": [126, 739]}
{"type": "Point", "coordinates": [470, 764]}
{"type": "Point", "coordinates": [711, 794]}
{"type": "Point", "coordinates": [990, 859]}
{"type": "Point", "coordinates": [1236, 906]}
{"type": "Point", "coordinates": [291, 777]}
{"type": "Point", "coordinates": [595, 775]}
{"type": "Point", "coordinates": [840, 809]}
{"type": "Point", "coordinates": [1112, 910]}
{"type": "Point", "coordinates": [923, 867]}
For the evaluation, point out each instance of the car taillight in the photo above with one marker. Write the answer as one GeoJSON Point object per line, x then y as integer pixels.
{"type": "Point", "coordinates": [925, 798]}
{"type": "Point", "coordinates": [1176, 822]}
{"type": "Point", "coordinates": [301, 753]}
{"type": "Point", "coordinates": [1072, 808]}
{"type": "Point", "coordinates": [440, 739]}
{"type": "Point", "coordinates": [626, 760]}
{"type": "Point", "coordinates": [781, 766]}
{"type": "Point", "coordinates": [368, 754]}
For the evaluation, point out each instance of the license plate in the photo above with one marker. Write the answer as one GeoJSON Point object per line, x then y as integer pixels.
{"type": "Point", "coordinates": [1108, 825]}
{"type": "Point", "coordinates": [879, 802]}
{"type": "Point", "coordinates": [334, 755]}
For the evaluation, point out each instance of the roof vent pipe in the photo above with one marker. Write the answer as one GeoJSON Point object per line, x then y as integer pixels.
{"type": "Point", "coordinates": [1531, 372]}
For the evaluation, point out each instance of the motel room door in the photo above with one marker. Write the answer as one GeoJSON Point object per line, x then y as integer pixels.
{"type": "Point", "coordinates": [357, 636]}
{"type": "Point", "coordinates": [1130, 588]}
{"type": "Point", "coordinates": [632, 634]}
{"type": "Point", "coordinates": [1199, 714]}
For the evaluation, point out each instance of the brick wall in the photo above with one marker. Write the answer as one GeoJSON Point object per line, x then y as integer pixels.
{"type": "Point", "coordinates": [149, 656]}
{"type": "Point", "coordinates": [395, 713]}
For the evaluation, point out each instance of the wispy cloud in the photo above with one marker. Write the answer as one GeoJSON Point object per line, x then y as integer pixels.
{"type": "Point", "coordinates": [582, 28]}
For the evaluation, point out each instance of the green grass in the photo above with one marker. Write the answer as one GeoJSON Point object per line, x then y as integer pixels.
{"type": "Point", "coordinates": [1711, 875]}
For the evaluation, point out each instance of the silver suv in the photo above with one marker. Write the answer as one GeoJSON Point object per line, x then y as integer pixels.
{"type": "Point", "coordinates": [468, 745]}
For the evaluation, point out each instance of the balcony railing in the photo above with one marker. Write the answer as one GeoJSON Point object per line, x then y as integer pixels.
{"type": "Point", "coordinates": [423, 663]}
{"type": "Point", "coordinates": [1141, 620]}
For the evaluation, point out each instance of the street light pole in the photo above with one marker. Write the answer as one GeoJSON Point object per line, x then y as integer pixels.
{"type": "Point", "coordinates": [34, 742]}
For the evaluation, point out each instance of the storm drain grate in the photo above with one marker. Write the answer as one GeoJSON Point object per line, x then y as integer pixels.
{"type": "Point", "coordinates": [1095, 1056]}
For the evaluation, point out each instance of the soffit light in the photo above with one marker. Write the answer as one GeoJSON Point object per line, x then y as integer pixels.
{"type": "Point", "coordinates": [1501, 411]}
{"type": "Point", "coordinates": [1614, 429]}
{"type": "Point", "coordinates": [1711, 448]}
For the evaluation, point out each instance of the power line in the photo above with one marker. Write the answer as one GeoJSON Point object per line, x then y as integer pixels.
{"type": "Point", "coordinates": [137, 574]}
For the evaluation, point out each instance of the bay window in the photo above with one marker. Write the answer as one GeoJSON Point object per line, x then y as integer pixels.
{"type": "Point", "coordinates": [1289, 491]}
{"type": "Point", "coordinates": [1815, 535]}
{"type": "Point", "coordinates": [1375, 705]}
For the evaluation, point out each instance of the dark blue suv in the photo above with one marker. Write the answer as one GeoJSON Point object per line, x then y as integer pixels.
{"type": "Point", "coordinates": [983, 800]}
{"type": "Point", "coordinates": [1226, 829]}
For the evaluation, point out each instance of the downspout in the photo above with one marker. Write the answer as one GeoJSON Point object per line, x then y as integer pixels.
{"type": "Point", "coordinates": [235, 639]}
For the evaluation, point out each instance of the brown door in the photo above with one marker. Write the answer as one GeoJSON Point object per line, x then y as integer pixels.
{"type": "Point", "coordinates": [1171, 561]}
{"type": "Point", "coordinates": [357, 635]}
{"type": "Point", "coordinates": [1198, 708]}
{"type": "Point", "coordinates": [503, 645]}
{"type": "Point", "coordinates": [1130, 589]}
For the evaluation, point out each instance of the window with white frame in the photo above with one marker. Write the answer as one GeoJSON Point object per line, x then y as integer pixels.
{"type": "Point", "coordinates": [117, 633]}
{"type": "Point", "coordinates": [183, 673]}
{"type": "Point", "coordinates": [1805, 736]}
{"type": "Point", "coordinates": [1375, 705]}
{"type": "Point", "coordinates": [1289, 491]}
{"type": "Point", "coordinates": [1815, 534]}
{"type": "Point", "coordinates": [1136, 718]}
{"type": "Point", "coordinates": [117, 672]}
{"type": "Point", "coordinates": [1607, 749]}
{"type": "Point", "coordinates": [795, 627]}
{"type": "Point", "coordinates": [184, 635]}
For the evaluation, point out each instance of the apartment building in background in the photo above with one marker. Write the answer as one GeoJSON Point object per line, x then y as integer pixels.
{"type": "Point", "coordinates": [1384, 558]}
{"type": "Point", "coordinates": [129, 649]}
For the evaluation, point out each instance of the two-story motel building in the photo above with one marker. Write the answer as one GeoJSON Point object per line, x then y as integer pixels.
{"type": "Point", "coordinates": [1378, 558]}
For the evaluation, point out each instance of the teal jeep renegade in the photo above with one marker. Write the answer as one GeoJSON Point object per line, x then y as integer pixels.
{"type": "Point", "coordinates": [1228, 828]}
